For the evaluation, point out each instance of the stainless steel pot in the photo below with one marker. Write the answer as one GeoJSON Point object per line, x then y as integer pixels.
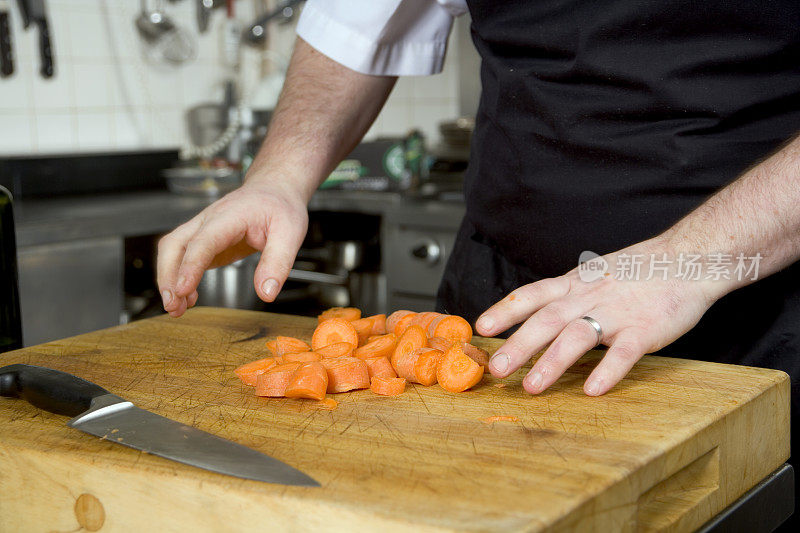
{"type": "Point", "coordinates": [231, 286]}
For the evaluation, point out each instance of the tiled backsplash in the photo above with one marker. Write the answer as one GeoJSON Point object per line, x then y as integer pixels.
{"type": "Point", "coordinates": [105, 96]}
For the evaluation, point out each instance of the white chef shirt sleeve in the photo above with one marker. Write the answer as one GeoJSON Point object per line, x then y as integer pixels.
{"type": "Point", "coordinates": [381, 37]}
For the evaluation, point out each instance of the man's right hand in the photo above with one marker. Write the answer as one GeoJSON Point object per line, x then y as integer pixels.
{"type": "Point", "coordinates": [253, 218]}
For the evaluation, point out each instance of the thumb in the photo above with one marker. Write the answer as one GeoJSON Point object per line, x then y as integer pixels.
{"type": "Point", "coordinates": [283, 241]}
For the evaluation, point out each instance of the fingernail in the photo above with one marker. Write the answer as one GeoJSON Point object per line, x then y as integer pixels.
{"type": "Point", "coordinates": [485, 323]}
{"type": "Point", "coordinates": [500, 362]}
{"type": "Point", "coordinates": [270, 288]}
{"type": "Point", "coordinates": [166, 297]}
{"type": "Point", "coordinates": [593, 388]}
{"type": "Point", "coordinates": [534, 380]}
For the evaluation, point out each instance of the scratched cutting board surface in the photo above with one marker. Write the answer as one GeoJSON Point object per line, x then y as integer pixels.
{"type": "Point", "coordinates": [669, 448]}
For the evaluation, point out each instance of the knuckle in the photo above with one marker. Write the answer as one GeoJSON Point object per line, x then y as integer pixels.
{"type": "Point", "coordinates": [627, 351]}
{"type": "Point", "coordinates": [551, 316]}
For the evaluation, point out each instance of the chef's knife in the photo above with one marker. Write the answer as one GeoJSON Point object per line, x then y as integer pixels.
{"type": "Point", "coordinates": [6, 51]}
{"type": "Point", "coordinates": [104, 415]}
{"type": "Point", "coordinates": [36, 13]}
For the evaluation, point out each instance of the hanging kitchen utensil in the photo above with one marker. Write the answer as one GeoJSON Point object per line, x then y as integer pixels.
{"type": "Point", "coordinates": [33, 11]}
{"type": "Point", "coordinates": [257, 32]}
{"type": "Point", "coordinates": [6, 49]}
{"type": "Point", "coordinates": [165, 42]}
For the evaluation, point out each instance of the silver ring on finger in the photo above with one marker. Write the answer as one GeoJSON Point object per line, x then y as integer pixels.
{"type": "Point", "coordinates": [597, 328]}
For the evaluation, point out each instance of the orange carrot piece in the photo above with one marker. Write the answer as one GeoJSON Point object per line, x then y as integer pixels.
{"type": "Point", "coordinates": [391, 320]}
{"type": "Point", "coordinates": [491, 419]}
{"type": "Point", "coordinates": [250, 371]}
{"type": "Point", "coordinates": [403, 358]}
{"type": "Point", "coordinates": [382, 346]}
{"type": "Point", "coordinates": [345, 313]}
{"type": "Point", "coordinates": [424, 371]}
{"type": "Point", "coordinates": [286, 345]}
{"type": "Point", "coordinates": [272, 347]}
{"type": "Point", "coordinates": [337, 349]}
{"type": "Point", "coordinates": [378, 325]}
{"type": "Point", "coordinates": [478, 355]}
{"type": "Point", "coordinates": [450, 327]}
{"type": "Point", "coordinates": [440, 343]}
{"type": "Point", "coordinates": [302, 357]}
{"type": "Point", "coordinates": [424, 319]}
{"type": "Point", "coordinates": [346, 373]}
{"type": "Point", "coordinates": [328, 404]}
{"type": "Point", "coordinates": [363, 329]}
{"type": "Point", "coordinates": [334, 330]}
{"type": "Point", "coordinates": [402, 324]}
{"type": "Point", "coordinates": [387, 386]}
{"type": "Point", "coordinates": [274, 381]}
{"type": "Point", "coordinates": [308, 381]}
{"type": "Point", "coordinates": [457, 372]}
{"type": "Point", "coordinates": [381, 367]}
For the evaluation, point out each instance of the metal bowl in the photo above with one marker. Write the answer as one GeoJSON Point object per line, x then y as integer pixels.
{"type": "Point", "coordinates": [198, 181]}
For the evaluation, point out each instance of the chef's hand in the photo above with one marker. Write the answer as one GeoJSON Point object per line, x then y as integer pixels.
{"type": "Point", "coordinates": [255, 217]}
{"type": "Point", "coordinates": [636, 317]}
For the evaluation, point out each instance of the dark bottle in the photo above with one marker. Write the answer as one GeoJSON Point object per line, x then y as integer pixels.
{"type": "Point", "coordinates": [10, 322]}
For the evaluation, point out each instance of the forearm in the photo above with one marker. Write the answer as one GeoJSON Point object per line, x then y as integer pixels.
{"type": "Point", "coordinates": [323, 112]}
{"type": "Point", "coordinates": [756, 214]}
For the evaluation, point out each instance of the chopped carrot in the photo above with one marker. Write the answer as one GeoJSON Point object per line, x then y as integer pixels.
{"type": "Point", "coordinates": [302, 357]}
{"type": "Point", "coordinates": [334, 330]}
{"type": "Point", "coordinates": [387, 386]}
{"type": "Point", "coordinates": [363, 329]}
{"type": "Point", "coordinates": [491, 419]}
{"type": "Point", "coordinates": [272, 347]}
{"type": "Point", "coordinates": [274, 381]}
{"type": "Point", "coordinates": [424, 319]}
{"type": "Point", "coordinates": [346, 373]}
{"type": "Point", "coordinates": [440, 343]}
{"type": "Point", "coordinates": [403, 324]}
{"type": "Point", "coordinates": [308, 381]}
{"type": "Point", "coordinates": [382, 346]}
{"type": "Point", "coordinates": [450, 327]}
{"type": "Point", "coordinates": [424, 371]}
{"type": "Point", "coordinates": [328, 403]}
{"type": "Point", "coordinates": [345, 313]}
{"type": "Point", "coordinates": [500, 385]}
{"type": "Point", "coordinates": [478, 355]}
{"type": "Point", "coordinates": [250, 371]}
{"type": "Point", "coordinates": [391, 320]}
{"type": "Point", "coordinates": [403, 358]}
{"type": "Point", "coordinates": [286, 345]}
{"type": "Point", "coordinates": [380, 366]}
{"type": "Point", "coordinates": [378, 325]}
{"type": "Point", "coordinates": [457, 372]}
{"type": "Point", "coordinates": [337, 349]}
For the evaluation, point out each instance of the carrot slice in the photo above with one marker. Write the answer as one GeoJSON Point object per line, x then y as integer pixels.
{"type": "Point", "coordinates": [274, 381]}
{"type": "Point", "coordinates": [424, 319]}
{"type": "Point", "coordinates": [308, 381]}
{"type": "Point", "coordinates": [424, 371]}
{"type": "Point", "coordinates": [334, 330]}
{"type": "Point", "coordinates": [345, 313]}
{"type": "Point", "coordinates": [403, 324]}
{"type": "Point", "coordinates": [382, 346]}
{"type": "Point", "coordinates": [250, 371]}
{"type": "Point", "coordinates": [381, 367]}
{"type": "Point", "coordinates": [286, 345]}
{"type": "Point", "coordinates": [450, 327]}
{"type": "Point", "coordinates": [346, 373]}
{"type": "Point", "coordinates": [457, 371]}
{"type": "Point", "coordinates": [403, 358]}
{"type": "Point", "coordinates": [378, 325]}
{"type": "Point", "coordinates": [440, 343]}
{"type": "Point", "coordinates": [302, 357]}
{"type": "Point", "coordinates": [478, 355]}
{"type": "Point", "coordinates": [363, 329]}
{"type": "Point", "coordinates": [391, 320]}
{"type": "Point", "coordinates": [328, 403]}
{"type": "Point", "coordinates": [387, 386]}
{"type": "Point", "coordinates": [272, 347]}
{"type": "Point", "coordinates": [337, 349]}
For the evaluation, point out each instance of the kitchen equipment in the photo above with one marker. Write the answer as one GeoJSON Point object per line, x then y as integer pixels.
{"type": "Point", "coordinates": [10, 321]}
{"type": "Point", "coordinates": [199, 181]}
{"type": "Point", "coordinates": [256, 33]}
{"type": "Point", "coordinates": [102, 414]}
{"type": "Point", "coordinates": [6, 47]}
{"type": "Point", "coordinates": [165, 42]}
{"type": "Point", "coordinates": [33, 11]}
{"type": "Point", "coordinates": [203, 10]}
{"type": "Point", "coordinates": [672, 445]}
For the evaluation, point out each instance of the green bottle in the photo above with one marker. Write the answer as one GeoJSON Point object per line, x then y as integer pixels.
{"type": "Point", "coordinates": [10, 322]}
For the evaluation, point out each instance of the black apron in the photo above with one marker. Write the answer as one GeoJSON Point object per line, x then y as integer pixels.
{"type": "Point", "coordinates": [601, 123]}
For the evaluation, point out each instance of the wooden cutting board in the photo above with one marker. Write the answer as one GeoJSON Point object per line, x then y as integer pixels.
{"type": "Point", "coordinates": [676, 442]}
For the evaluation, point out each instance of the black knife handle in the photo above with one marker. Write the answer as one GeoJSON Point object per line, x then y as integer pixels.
{"type": "Point", "coordinates": [48, 389]}
{"type": "Point", "coordinates": [6, 55]}
{"type": "Point", "coordinates": [45, 49]}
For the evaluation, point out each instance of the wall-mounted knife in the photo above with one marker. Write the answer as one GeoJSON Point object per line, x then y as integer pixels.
{"type": "Point", "coordinates": [104, 415]}
{"type": "Point", "coordinates": [33, 11]}
{"type": "Point", "coordinates": [6, 48]}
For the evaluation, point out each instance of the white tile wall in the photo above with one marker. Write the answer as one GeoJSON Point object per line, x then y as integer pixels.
{"type": "Point", "coordinates": [107, 96]}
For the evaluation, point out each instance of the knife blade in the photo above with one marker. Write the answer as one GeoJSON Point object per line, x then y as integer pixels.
{"type": "Point", "coordinates": [102, 414]}
{"type": "Point", "coordinates": [6, 49]}
{"type": "Point", "coordinates": [36, 12]}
